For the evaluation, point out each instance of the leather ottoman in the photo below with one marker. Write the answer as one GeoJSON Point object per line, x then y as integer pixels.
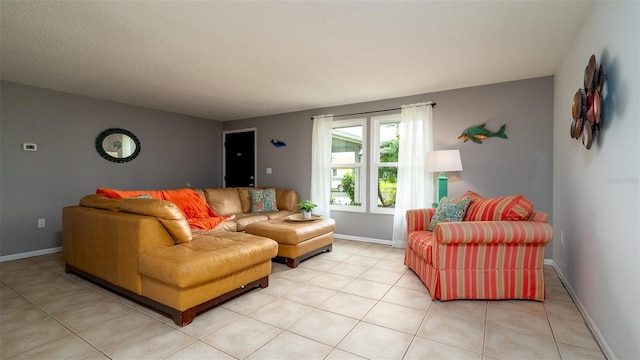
{"type": "Point", "coordinates": [297, 240]}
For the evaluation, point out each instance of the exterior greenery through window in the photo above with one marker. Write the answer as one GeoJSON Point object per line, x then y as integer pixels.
{"type": "Point", "coordinates": [385, 161]}
{"type": "Point", "coordinates": [349, 165]}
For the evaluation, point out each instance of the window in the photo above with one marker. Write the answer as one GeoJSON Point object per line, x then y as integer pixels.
{"type": "Point", "coordinates": [348, 171]}
{"type": "Point", "coordinates": [384, 163]}
{"type": "Point", "coordinates": [350, 168]}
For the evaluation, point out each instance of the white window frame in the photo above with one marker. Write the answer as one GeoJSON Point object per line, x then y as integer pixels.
{"type": "Point", "coordinates": [376, 121]}
{"type": "Point", "coordinates": [362, 165]}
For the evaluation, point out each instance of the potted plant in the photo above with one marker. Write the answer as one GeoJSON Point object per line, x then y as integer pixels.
{"type": "Point", "coordinates": [306, 207]}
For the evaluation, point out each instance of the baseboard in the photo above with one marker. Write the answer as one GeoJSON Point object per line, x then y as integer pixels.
{"type": "Point", "coordinates": [363, 239]}
{"type": "Point", "coordinates": [30, 254]}
{"type": "Point", "coordinates": [585, 314]}
{"type": "Point", "coordinates": [548, 262]}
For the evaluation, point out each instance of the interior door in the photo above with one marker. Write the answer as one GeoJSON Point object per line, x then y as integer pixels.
{"type": "Point", "coordinates": [240, 158]}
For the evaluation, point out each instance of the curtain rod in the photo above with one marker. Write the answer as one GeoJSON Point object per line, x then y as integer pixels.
{"type": "Point", "coordinates": [430, 103]}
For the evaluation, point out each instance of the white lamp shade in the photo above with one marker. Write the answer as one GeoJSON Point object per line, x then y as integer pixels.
{"type": "Point", "coordinates": [444, 161]}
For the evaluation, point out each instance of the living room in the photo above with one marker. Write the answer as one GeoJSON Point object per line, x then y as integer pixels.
{"type": "Point", "coordinates": [593, 251]}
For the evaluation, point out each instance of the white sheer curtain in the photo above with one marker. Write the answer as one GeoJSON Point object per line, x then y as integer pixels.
{"type": "Point", "coordinates": [321, 164]}
{"type": "Point", "coordinates": [414, 183]}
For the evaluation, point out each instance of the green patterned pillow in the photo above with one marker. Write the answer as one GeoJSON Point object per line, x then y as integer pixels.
{"type": "Point", "coordinates": [263, 200]}
{"type": "Point", "coordinates": [449, 211]}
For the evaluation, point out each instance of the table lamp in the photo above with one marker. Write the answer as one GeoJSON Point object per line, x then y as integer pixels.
{"type": "Point", "coordinates": [443, 161]}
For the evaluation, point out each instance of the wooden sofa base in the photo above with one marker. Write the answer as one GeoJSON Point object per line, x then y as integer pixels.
{"type": "Point", "coordinates": [294, 262]}
{"type": "Point", "coordinates": [180, 318]}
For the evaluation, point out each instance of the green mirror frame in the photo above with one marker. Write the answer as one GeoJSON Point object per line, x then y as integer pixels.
{"type": "Point", "coordinates": [118, 145]}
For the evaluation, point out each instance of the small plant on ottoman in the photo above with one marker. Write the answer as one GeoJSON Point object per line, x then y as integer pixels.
{"type": "Point", "coordinates": [306, 207]}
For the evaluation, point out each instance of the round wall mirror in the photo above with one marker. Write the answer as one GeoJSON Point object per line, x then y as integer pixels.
{"type": "Point", "coordinates": [118, 145]}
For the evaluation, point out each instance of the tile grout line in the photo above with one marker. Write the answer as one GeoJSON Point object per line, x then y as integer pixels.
{"type": "Point", "coordinates": [50, 316]}
{"type": "Point", "coordinates": [377, 301]}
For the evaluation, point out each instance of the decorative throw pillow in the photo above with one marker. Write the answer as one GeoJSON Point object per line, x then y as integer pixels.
{"type": "Point", "coordinates": [515, 208]}
{"type": "Point", "coordinates": [449, 210]}
{"type": "Point", "coordinates": [263, 200]}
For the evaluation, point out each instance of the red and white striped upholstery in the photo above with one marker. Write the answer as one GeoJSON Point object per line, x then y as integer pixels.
{"type": "Point", "coordinates": [479, 259]}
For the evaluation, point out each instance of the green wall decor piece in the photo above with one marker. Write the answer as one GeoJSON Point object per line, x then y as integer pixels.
{"type": "Point", "coordinates": [479, 133]}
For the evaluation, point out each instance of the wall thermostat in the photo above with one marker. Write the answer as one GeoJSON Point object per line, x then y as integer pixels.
{"type": "Point", "coordinates": [29, 147]}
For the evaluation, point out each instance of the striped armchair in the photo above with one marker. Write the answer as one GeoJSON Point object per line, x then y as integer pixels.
{"type": "Point", "coordinates": [479, 259]}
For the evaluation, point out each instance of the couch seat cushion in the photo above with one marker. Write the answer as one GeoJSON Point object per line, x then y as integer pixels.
{"type": "Point", "coordinates": [422, 243]}
{"type": "Point", "coordinates": [244, 220]}
{"type": "Point", "coordinates": [206, 258]}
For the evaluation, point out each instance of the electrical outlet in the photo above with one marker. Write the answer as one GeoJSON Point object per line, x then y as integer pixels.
{"type": "Point", "coordinates": [41, 223]}
{"type": "Point", "coordinates": [269, 171]}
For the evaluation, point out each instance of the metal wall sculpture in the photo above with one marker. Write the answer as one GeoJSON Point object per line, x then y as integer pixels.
{"type": "Point", "coordinates": [586, 108]}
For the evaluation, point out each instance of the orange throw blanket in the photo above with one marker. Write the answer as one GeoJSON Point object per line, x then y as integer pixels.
{"type": "Point", "coordinates": [197, 212]}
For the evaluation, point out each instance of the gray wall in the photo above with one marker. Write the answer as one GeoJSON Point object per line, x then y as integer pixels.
{"type": "Point", "coordinates": [176, 150]}
{"type": "Point", "coordinates": [596, 192]}
{"type": "Point", "coordinates": [523, 164]}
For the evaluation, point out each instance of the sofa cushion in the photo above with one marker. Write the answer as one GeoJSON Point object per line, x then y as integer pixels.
{"type": "Point", "coordinates": [210, 223]}
{"type": "Point", "coordinates": [449, 210]}
{"type": "Point", "coordinates": [166, 212]}
{"type": "Point", "coordinates": [263, 200]}
{"type": "Point", "coordinates": [224, 201]}
{"type": "Point", "coordinates": [515, 207]}
{"type": "Point", "coordinates": [208, 257]}
{"type": "Point", "coordinates": [287, 199]}
{"type": "Point", "coordinates": [245, 199]}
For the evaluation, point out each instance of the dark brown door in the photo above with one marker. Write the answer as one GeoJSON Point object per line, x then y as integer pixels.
{"type": "Point", "coordinates": [240, 159]}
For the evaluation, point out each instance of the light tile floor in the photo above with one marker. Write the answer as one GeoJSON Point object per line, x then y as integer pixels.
{"type": "Point", "coordinates": [357, 302]}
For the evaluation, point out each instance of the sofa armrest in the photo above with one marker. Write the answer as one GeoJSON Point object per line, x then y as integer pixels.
{"type": "Point", "coordinates": [419, 219]}
{"type": "Point", "coordinates": [493, 232]}
{"type": "Point", "coordinates": [539, 216]}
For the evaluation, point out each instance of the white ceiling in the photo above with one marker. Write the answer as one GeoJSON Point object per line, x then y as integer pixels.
{"type": "Point", "coordinates": [234, 60]}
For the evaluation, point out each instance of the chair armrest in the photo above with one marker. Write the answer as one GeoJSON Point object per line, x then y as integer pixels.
{"type": "Point", "coordinates": [418, 219]}
{"type": "Point", "coordinates": [493, 232]}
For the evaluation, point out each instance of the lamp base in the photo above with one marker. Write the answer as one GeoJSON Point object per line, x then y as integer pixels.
{"type": "Point", "coordinates": [443, 186]}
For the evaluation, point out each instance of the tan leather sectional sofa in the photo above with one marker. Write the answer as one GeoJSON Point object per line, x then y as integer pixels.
{"type": "Point", "coordinates": [144, 249]}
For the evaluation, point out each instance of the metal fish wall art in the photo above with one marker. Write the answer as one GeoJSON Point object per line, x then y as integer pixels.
{"type": "Point", "coordinates": [479, 133]}
{"type": "Point", "coordinates": [278, 143]}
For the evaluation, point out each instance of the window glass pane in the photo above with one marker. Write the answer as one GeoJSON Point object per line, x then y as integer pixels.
{"type": "Point", "coordinates": [387, 176]}
{"type": "Point", "coordinates": [388, 146]}
{"type": "Point", "coordinates": [346, 145]}
{"type": "Point", "coordinates": [345, 186]}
